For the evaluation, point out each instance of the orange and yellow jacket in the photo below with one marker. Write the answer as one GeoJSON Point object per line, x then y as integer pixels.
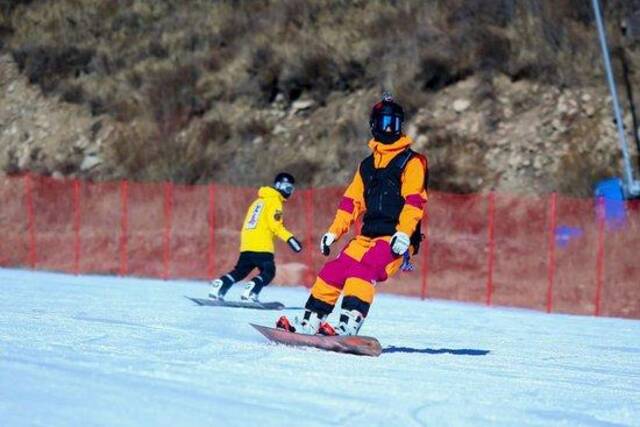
{"type": "Point", "coordinates": [264, 221]}
{"type": "Point", "coordinates": [413, 190]}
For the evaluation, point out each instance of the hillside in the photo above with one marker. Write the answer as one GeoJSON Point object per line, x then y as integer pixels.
{"type": "Point", "coordinates": [501, 94]}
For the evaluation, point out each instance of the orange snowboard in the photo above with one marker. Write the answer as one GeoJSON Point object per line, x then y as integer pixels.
{"type": "Point", "coordinates": [361, 346]}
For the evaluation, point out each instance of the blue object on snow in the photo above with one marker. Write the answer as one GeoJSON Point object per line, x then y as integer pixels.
{"type": "Point", "coordinates": [564, 234]}
{"type": "Point", "coordinates": [615, 213]}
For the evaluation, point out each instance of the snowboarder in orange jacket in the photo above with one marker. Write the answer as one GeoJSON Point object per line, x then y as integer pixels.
{"type": "Point", "coordinates": [389, 189]}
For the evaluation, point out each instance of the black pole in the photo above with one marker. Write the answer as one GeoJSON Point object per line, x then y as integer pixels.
{"type": "Point", "coordinates": [632, 106]}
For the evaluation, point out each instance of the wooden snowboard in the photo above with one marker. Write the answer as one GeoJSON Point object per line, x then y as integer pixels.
{"type": "Point", "coordinates": [361, 346]}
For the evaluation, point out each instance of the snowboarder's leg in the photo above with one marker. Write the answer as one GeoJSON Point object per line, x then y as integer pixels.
{"type": "Point", "coordinates": [375, 263]}
{"type": "Point", "coordinates": [249, 293]}
{"type": "Point", "coordinates": [319, 305]}
{"type": "Point", "coordinates": [357, 298]}
{"type": "Point", "coordinates": [220, 286]}
{"type": "Point", "coordinates": [325, 293]}
{"type": "Point", "coordinates": [267, 271]}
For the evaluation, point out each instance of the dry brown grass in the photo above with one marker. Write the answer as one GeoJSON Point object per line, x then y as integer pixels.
{"type": "Point", "coordinates": [165, 63]}
{"type": "Point", "coordinates": [296, 47]}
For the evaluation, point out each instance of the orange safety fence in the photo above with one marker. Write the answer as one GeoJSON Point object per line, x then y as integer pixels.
{"type": "Point", "coordinates": [549, 253]}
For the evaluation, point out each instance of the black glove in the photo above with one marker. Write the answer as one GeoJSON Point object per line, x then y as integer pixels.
{"type": "Point", "coordinates": [294, 244]}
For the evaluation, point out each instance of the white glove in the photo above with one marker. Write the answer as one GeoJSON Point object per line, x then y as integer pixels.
{"type": "Point", "coordinates": [325, 242]}
{"type": "Point", "coordinates": [399, 243]}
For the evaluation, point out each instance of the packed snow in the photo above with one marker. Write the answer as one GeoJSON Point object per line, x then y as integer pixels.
{"type": "Point", "coordinates": [112, 351]}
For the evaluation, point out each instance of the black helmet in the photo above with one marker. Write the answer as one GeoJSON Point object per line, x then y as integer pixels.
{"type": "Point", "coordinates": [386, 120]}
{"type": "Point", "coordinates": [284, 183]}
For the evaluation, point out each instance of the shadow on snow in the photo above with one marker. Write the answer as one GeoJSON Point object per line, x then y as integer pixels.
{"type": "Point", "coordinates": [456, 351]}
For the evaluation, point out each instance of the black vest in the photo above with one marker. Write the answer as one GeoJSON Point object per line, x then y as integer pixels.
{"type": "Point", "coordinates": [382, 194]}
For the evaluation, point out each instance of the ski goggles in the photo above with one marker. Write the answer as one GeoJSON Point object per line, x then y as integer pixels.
{"type": "Point", "coordinates": [285, 187]}
{"type": "Point", "coordinates": [389, 123]}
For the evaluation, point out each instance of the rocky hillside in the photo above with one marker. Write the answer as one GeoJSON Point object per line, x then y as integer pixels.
{"type": "Point", "coordinates": [501, 94]}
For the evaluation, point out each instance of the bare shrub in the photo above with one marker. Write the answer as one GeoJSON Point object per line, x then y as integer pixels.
{"type": "Point", "coordinates": [264, 68]}
{"type": "Point", "coordinates": [314, 71]}
{"type": "Point", "coordinates": [129, 150]}
{"type": "Point", "coordinates": [124, 110]}
{"type": "Point", "coordinates": [456, 163]}
{"type": "Point", "coordinates": [436, 73]}
{"type": "Point", "coordinates": [253, 127]}
{"type": "Point", "coordinates": [215, 130]}
{"type": "Point", "coordinates": [492, 50]}
{"type": "Point", "coordinates": [143, 153]}
{"type": "Point", "coordinates": [498, 13]}
{"type": "Point", "coordinates": [579, 173]}
{"type": "Point", "coordinates": [97, 106]}
{"type": "Point", "coordinates": [215, 60]}
{"type": "Point", "coordinates": [303, 171]}
{"type": "Point", "coordinates": [7, 6]}
{"type": "Point", "coordinates": [172, 97]}
{"type": "Point", "coordinates": [47, 65]}
{"type": "Point", "coordinates": [157, 50]}
{"type": "Point", "coordinates": [72, 93]}
{"type": "Point", "coordinates": [128, 21]}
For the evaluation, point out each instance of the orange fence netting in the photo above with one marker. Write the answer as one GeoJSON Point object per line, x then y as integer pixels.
{"type": "Point", "coordinates": [549, 253]}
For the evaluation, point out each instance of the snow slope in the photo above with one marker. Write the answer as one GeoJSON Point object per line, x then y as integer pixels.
{"type": "Point", "coordinates": [106, 351]}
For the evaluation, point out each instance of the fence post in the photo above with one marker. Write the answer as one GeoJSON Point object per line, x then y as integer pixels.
{"type": "Point", "coordinates": [425, 256]}
{"type": "Point", "coordinates": [551, 249]}
{"type": "Point", "coordinates": [600, 255]}
{"type": "Point", "coordinates": [491, 211]}
{"type": "Point", "coordinates": [28, 189]}
{"type": "Point", "coordinates": [168, 210]}
{"type": "Point", "coordinates": [76, 226]}
{"type": "Point", "coordinates": [308, 209]}
{"type": "Point", "coordinates": [124, 226]}
{"type": "Point", "coordinates": [212, 231]}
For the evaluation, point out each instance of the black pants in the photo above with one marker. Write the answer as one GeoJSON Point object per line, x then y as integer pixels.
{"type": "Point", "coordinates": [247, 261]}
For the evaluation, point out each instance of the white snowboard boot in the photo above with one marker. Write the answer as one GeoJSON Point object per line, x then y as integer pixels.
{"type": "Point", "coordinates": [215, 290]}
{"type": "Point", "coordinates": [248, 295]}
{"type": "Point", "coordinates": [350, 322]}
{"type": "Point", "coordinates": [310, 323]}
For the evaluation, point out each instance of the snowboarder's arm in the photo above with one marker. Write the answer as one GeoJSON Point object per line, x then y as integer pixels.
{"type": "Point", "coordinates": [350, 208]}
{"type": "Point", "coordinates": [276, 224]}
{"type": "Point", "coordinates": [414, 193]}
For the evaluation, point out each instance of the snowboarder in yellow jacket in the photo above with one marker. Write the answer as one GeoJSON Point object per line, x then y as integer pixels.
{"type": "Point", "coordinates": [389, 190]}
{"type": "Point", "coordinates": [262, 222]}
